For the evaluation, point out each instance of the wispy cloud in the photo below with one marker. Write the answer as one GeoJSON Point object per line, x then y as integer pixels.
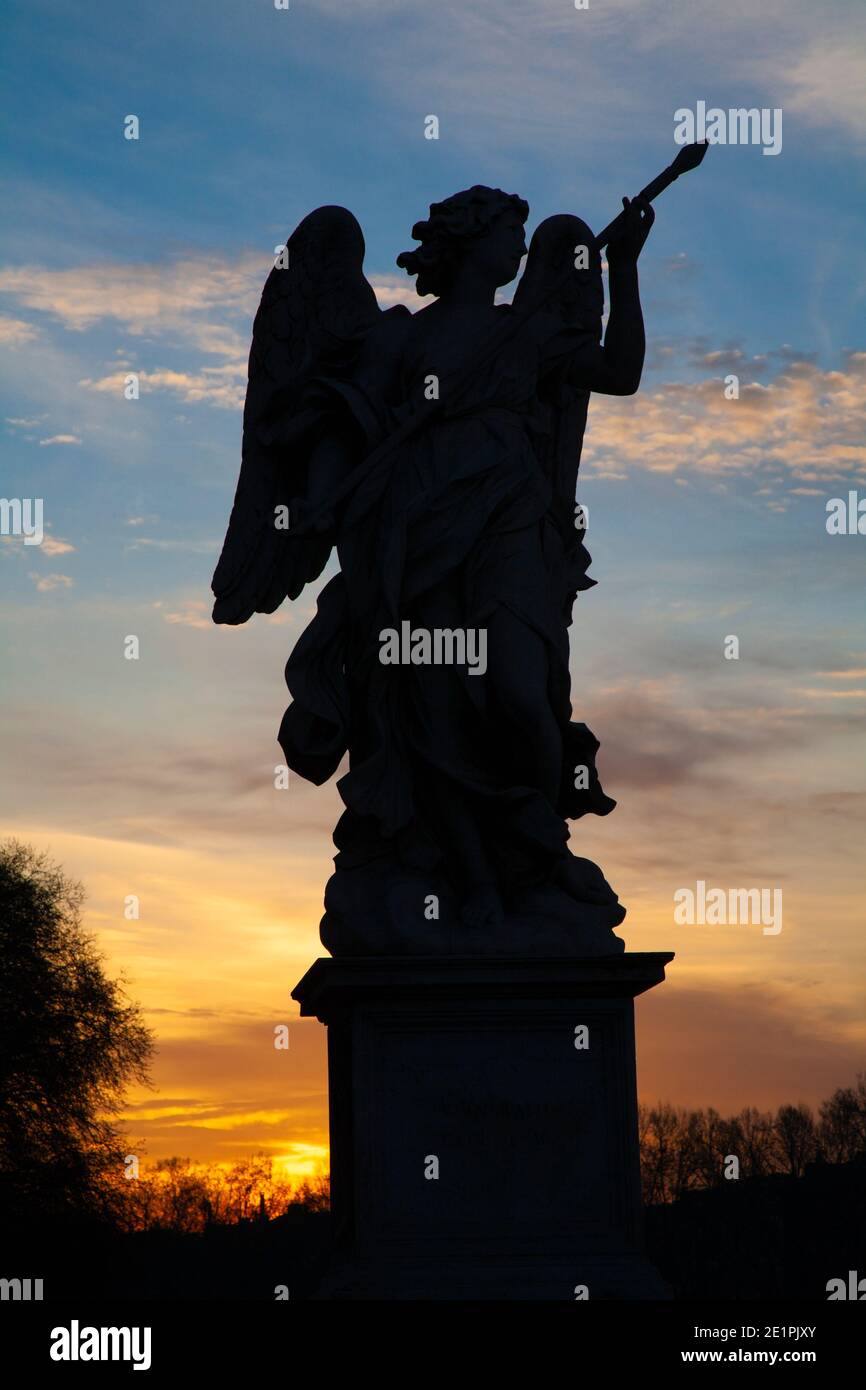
{"type": "Point", "coordinates": [825, 81]}
{"type": "Point", "coordinates": [177, 298]}
{"type": "Point", "coordinates": [191, 613]}
{"type": "Point", "coordinates": [175, 543]}
{"type": "Point", "coordinates": [398, 289]}
{"type": "Point", "coordinates": [49, 545]}
{"type": "Point", "coordinates": [809, 421]}
{"type": "Point", "coordinates": [220, 386]}
{"type": "Point", "coordinates": [46, 583]}
{"type": "Point", "coordinates": [14, 331]}
{"type": "Point", "coordinates": [53, 545]}
{"type": "Point", "coordinates": [832, 694]}
{"type": "Point", "coordinates": [205, 303]}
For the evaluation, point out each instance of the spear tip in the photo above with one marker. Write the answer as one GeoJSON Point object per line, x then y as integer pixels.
{"type": "Point", "coordinates": [689, 157]}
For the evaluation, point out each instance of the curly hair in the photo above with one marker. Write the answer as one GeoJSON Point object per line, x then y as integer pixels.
{"type": "Point", "coordinates": [453, 222]}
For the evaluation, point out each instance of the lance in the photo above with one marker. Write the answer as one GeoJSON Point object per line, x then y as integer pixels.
{"type": "Point", "coordinates": [688, 158]}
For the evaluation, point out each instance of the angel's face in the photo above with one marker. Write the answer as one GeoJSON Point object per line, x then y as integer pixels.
{"type": "Point", "coordinates": [503, 248]}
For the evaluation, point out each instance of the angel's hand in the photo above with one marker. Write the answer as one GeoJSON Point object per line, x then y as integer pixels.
{"type": "Point", "coordinates": [632, 229]}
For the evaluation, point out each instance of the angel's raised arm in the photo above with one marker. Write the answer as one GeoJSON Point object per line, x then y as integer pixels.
{"type": "Point", "coordinates": [614, 367]}
{"type": "Point", "coordinates": [563, 273]}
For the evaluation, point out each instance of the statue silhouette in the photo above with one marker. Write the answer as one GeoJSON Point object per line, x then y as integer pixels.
{"type": "Point", "coordinates": [438, 453]}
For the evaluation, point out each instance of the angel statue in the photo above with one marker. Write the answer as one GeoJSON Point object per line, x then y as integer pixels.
{"type": "Point", "coordinates": [437, 453]}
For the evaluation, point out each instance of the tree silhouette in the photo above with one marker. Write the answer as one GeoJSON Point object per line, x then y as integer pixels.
{"type": "Point", "coordinates": [685, 1150]}
{"type": "Point", "coordinates": [70, 1041]}
{"type": "Point", "coordinates": [796, 1139]}
{"type": "Point", "coordinates": [843, 1123]}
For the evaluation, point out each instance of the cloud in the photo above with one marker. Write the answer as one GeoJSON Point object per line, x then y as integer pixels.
{"type": "Point", "coordinates": [192, 613]}
{"type": "Point", "coordinates": [61, 439]}
{"type": "Point", "coordinates": [189, 547]}
{"type": "Point", "coordinates": [53, 545]}
{"type": "Point", "coordinates": [13, 331]}
{"type": "Point", "coordinates": [748, 56]}
{"type": "Point", "coordinates": [809, 421]}
{"type": "Point", "coordinates": [45, 583]}
{"type": "Point", "coordinates": [398, 289]}
{"type": "Point", "coordinates": [225, 386]}
{"type": "Point", "coordinates": [680, 265]}
{"type": "Point", "coordinates": [832, 694]}
{"type": "Point", "coordinates": [241, 1101]}
{"type": "Point", "coordinates": [187, 299]}
{"type": "Point", "coordinates": [49, 545]}
{"type": "Point", "coordinates": [220, 386]}
{"type": "Point", "coordinates": [755, 1045]}
{"type": "Point", "coordinates": [669, 733]}
{"type": "Point", "coordinates": [180, 303]}
{"type": "Point", "coordinates": [826, 83]}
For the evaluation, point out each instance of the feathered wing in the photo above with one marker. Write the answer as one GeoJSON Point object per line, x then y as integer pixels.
{"type": "Point", "coordinates": [563, 290]}
{"type": "Point", "coordinates": [568, 303]}
{"type": "Point", "coordinates": [312, 317]}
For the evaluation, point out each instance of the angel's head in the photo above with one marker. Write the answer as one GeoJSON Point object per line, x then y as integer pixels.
{"type": "Point", "coordinates": [482, 226]}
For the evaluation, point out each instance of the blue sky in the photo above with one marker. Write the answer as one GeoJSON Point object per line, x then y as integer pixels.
{"type": "Point", "coordinates": [706, 515]}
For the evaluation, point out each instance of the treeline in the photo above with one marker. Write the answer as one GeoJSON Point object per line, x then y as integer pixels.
{"type": "Point", "coordinates": [685, 1150]}
{"type": "Point", "coordinates": [177, 1194]}
{"type": "Point", "coordinates": [681, 1151]}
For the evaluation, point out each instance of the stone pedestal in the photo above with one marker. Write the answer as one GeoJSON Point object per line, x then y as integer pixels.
{"type": "Point", "coordinates": [477, 1152]}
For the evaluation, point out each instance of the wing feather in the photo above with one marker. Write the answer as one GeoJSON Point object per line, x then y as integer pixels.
{"type": "Point", "coordinates": [571, 301]}
{"type": "Point", "coordinates": [313, 315]}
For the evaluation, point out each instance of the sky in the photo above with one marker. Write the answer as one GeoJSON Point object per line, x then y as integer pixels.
{"type": "Point", "coordinates": [707, 515]}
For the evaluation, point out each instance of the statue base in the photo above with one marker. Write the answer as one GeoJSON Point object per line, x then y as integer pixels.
{"type": "Point", "coordinates": [483, 1117]}
{"type": "Point", "coordinates": [379, 909]}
